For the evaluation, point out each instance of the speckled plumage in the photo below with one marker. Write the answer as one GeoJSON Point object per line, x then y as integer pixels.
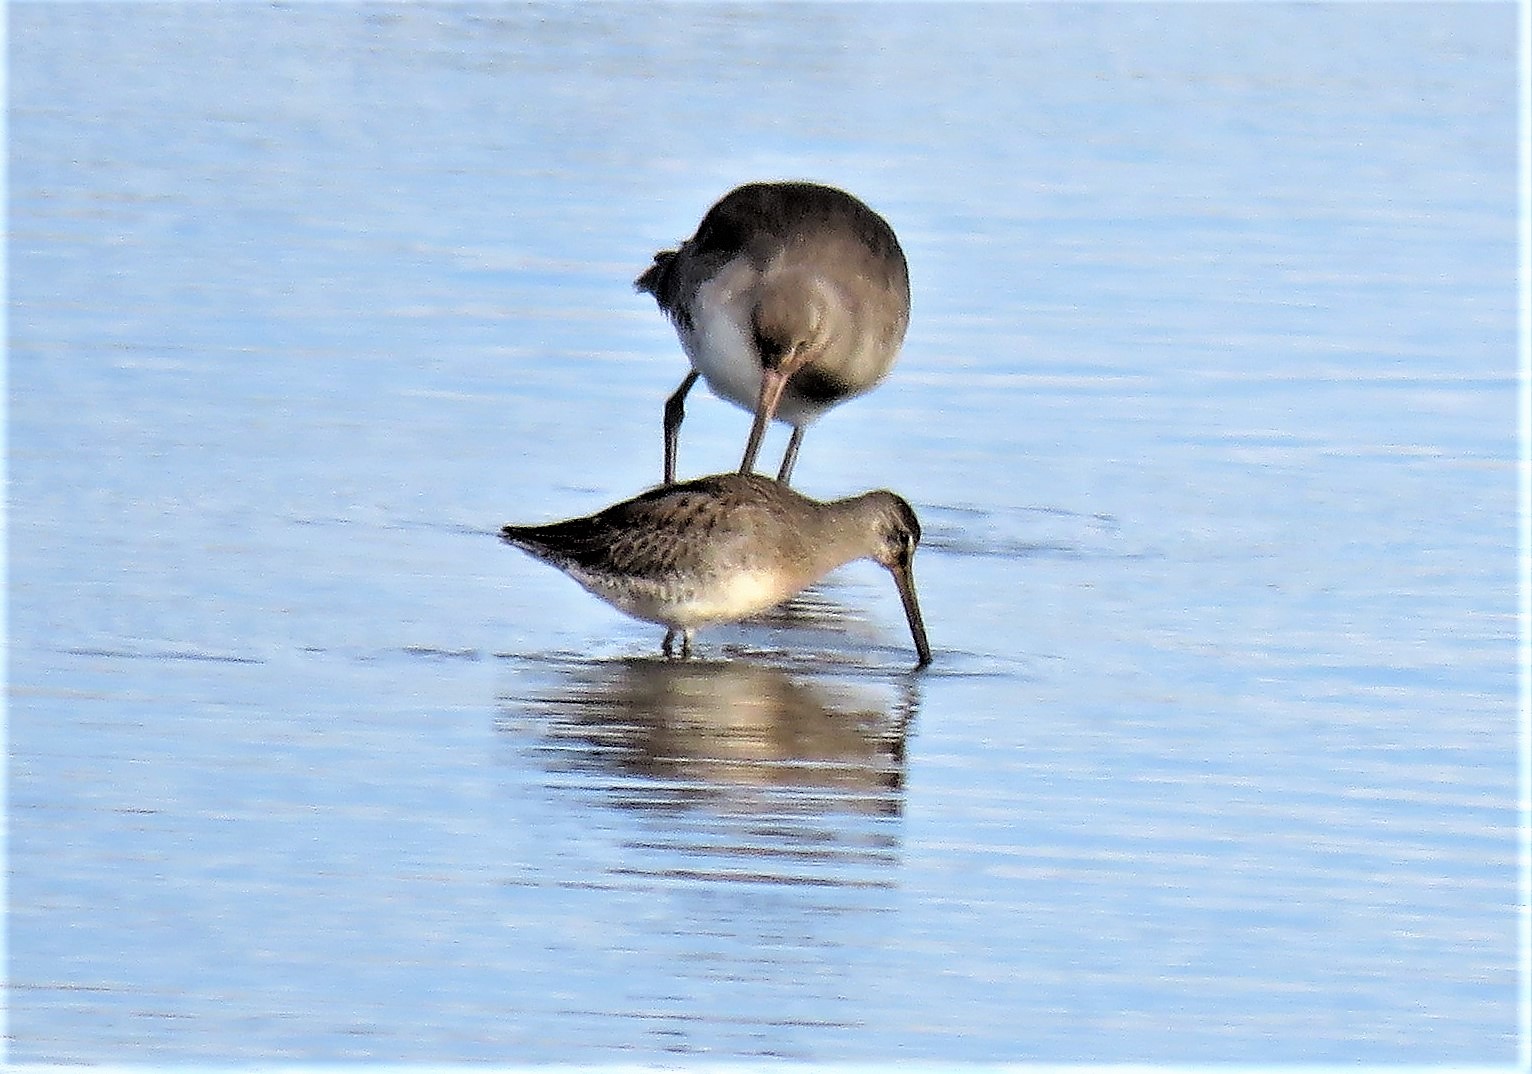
{"type": "Point", "coordinates": [723, 548]}
{"type": "Point", "coordinates": [789, 299]}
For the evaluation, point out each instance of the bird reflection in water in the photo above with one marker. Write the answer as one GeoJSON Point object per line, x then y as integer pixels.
{"type": "Point", "coordinates": [733, 735]}
{"type": "Point", "coordinates": [755, 812]}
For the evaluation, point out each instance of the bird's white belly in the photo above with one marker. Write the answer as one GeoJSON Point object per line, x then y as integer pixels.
{"type": "Point", "coordinates": [721, 346]}
{"type": "Point", "coordinates": [738, 595]}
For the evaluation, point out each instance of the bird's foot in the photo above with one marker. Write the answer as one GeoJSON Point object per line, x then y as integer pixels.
{"type": "Point", "coordinates": [668, 645]}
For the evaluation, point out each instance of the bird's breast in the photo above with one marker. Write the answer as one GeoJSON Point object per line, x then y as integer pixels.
{"type": "Point", "coordinates": [720, 343]}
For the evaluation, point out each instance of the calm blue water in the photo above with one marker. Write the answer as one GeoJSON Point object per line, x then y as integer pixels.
{"type": "Point", "coordinates": [1207, 407]}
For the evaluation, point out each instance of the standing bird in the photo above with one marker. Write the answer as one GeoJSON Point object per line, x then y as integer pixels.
{"type": "Point", "coordinates": [790, 298]}
{"type": "Point", "coordinates": [724, 548]}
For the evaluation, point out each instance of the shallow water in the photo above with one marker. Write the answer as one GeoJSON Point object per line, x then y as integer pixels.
{"type": "Point", "coordinates": [1207, 408]}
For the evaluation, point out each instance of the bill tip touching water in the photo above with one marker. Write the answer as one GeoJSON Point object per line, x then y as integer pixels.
{"type": "Point", "coordinates": [723, 548]}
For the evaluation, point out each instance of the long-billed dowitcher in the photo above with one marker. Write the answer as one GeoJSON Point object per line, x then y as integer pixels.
{"type": "Point", "coordinates": [790, 298]}
{"type": "Point", "coordinates": [723, 548]}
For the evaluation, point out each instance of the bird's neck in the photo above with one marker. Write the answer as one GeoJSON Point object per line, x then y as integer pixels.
{"type": "Point", "coordinates": [846, 531]}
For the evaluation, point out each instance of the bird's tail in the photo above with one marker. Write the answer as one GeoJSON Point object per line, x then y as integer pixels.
{"type": "Point", "coordinates": [656, 278]}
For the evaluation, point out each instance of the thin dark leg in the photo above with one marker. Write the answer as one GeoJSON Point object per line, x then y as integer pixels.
{"type": "Point", "coordinates": [665, 646]}
{"type": "Point", "coordinates": [675, 410]}
{"type": "Point", "coordinates": [772, 383]}
{"type": "Point", "coordinates": [790, 457]}
{"type": "Point", "coordinates": [686, 644]}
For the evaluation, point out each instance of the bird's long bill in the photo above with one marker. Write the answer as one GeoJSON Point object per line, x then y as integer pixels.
{"type": "Point", "coordinates": [772, 383]}
{"type": "Point", "coordinates": [904, 578]}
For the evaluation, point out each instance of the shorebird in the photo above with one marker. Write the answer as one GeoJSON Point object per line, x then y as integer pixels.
{"type": "Point", "coordinates": [723, 548]}
{"type": "Point", "coordinates": [790, 298]}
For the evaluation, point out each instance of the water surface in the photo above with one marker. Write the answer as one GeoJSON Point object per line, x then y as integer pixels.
{"type": "Point", "coordinates": [1207, 408]}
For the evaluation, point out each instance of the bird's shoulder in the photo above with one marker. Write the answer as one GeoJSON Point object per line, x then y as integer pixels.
{"type": "Point", "coordinates": [702, 503]}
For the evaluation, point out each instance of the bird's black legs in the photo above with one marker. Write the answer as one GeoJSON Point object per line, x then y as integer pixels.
{"type": "Point", "coordinates": [668, 645]}
{"type": "Point", "coordinates": [675, 410]}
{"type": "Point", "coordinates": [790, 458]}
{"type": "Point", "coordinates": [772, 382]}
{"type": "Point", "coordinates": [771, 391]}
